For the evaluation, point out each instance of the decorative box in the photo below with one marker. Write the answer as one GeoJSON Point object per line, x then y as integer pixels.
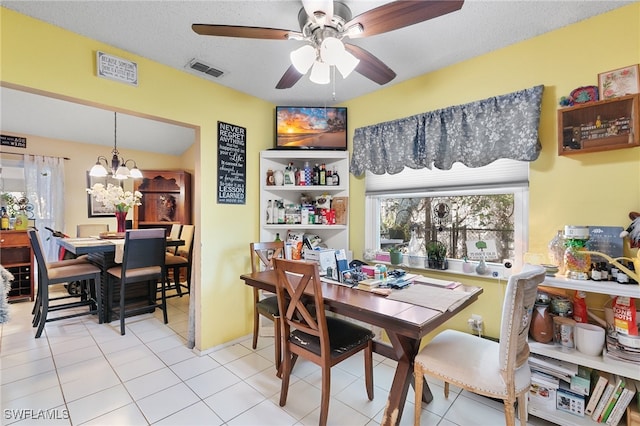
{"type": "Point", "coordinates": [569, 401]}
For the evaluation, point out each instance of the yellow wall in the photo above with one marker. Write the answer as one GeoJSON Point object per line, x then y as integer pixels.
{"type": "Point", "coordinates": [587, 189]}
{"type": "Point", "coordinates": [562, 188]}
{"type": "Point", "coordinates": [221, 250]}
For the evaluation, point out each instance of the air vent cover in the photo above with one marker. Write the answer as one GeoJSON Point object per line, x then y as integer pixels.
{"type": "Point", "coordinates": [204, 68]}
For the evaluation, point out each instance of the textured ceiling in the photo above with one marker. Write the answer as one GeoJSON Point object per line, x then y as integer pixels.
{"type": "Point", "coordinates": [161, 31]}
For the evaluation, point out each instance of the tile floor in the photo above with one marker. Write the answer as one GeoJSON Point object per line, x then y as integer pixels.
{"type": "Point", "coordinates": [84, 373]}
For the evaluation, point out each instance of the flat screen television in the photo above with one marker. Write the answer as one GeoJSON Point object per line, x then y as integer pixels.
{"type": "Point", "coordinates": [323, 128]}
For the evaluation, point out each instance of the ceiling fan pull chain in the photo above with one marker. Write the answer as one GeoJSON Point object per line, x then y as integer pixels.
{"type": "Point", "coordinates": [333, 82]}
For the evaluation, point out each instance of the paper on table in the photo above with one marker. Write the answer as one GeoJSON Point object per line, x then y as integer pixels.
{"type": "Point", "coordinates": [119, 252]}
{"type": "Point", "coordinates": [439, 299]}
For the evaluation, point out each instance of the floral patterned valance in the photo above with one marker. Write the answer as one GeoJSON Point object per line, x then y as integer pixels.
{"type": "Point", "coordinates": [475, 134]}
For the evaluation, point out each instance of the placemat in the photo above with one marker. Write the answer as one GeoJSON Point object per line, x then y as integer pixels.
{"type": "Point", "coordinates": [435, 298]}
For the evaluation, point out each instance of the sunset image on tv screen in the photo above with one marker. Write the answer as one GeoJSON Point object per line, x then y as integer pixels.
{"type": "Point", "coordinates": [308, 127]}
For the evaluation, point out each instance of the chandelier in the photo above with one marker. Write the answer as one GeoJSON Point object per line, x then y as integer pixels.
{"type": "Point", "coordinates": [118, 168]}
{"type": "Point", "coordinates": [324, 49]}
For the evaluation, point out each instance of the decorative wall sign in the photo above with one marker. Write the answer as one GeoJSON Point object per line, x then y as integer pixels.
{"type": "Point", "coordinates": [620, 82]}
{"type": "Point", "coordinates": [117, 69]}
{"type": "Point", "coordinates": [232, 165]}
{"type": "Point", "coordinates": [13, 141]}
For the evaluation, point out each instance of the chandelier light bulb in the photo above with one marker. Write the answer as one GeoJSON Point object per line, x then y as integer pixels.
{"type": "Point", "coordinates": [98, 170]}
{"type": "Point", "coordinates": [331, 50]}
{"type": "Point", "coordinates": [320, 73]}
{"type": "Point", "coordinates": [303, 58]}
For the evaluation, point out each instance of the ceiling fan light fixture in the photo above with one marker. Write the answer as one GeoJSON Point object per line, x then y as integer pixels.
{"type": "Point", "coordinates": [303, 58]}
{"type": "Point", "coordinates": [320, 73]}
{"type": "Point", "coordinates": [347, 64]}
{"type": "Point", "coordinates": [323, 6]}
{"type": "Point", "coordinates": [331, 50]}
{"type": "Point", "coordinates": [354, 30]}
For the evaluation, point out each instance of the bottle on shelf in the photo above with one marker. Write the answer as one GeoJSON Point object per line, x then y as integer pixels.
{"type": "Point", "coordinates": [336, 177]}
{"type": "Point", "coordinates": [576, 261]}
{"type": "Point", "coordinates": [308, 174]}
{"type": "Point", "coordinates": [277, 237]}
{"type": "Point", "coordinates": [281, 212]}
{"type": "Point", "coordinates": [323, 175]}
{"type": "Point", "coordinates": [329, 178]}
{"type": "Point", "coordinates": [270, 178]}
{"type": "Point", "coordinates": [556, 252]}
{"type": "Point", "coordinates": [289, 175]}
{"type": "Point", "coordinates": [269, 212]}
{"type": "Point", "coordinates": [4, 221]}
{"type": "Point", "coordinates": [316, 174]}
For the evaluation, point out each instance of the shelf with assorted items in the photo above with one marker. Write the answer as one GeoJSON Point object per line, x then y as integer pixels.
{"type": "Point", "coordinates": [602, 363]}
{"type": "Point", "coordinates": [320, 209]}
{"type": "Point", "coordinates": [599, 126]}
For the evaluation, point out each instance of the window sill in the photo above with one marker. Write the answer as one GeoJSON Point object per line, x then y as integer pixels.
{"type": "Point", "coordinates": [496, 271]}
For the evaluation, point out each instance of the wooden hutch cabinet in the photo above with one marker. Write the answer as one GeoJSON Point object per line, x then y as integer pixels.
{"type": "Point", "coordinates": [166, 199]}
{"type": "Point", "coordinates": [16, 256]}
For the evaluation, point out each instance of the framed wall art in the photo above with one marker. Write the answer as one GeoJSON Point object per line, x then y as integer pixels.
{"type": "Point", "coordinates": [620, 82]}
{"type": "Point", "coordinates": [94, 208]}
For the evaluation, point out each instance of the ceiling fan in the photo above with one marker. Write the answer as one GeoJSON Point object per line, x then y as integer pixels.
{"type": "Point", "coordinates": [325, 24]}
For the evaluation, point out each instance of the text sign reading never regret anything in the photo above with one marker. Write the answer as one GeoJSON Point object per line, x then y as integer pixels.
{"type": "Point", "coordinates": [232, 165]}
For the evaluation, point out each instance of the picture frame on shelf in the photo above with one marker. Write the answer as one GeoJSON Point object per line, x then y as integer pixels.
{"type": "Point", "coordinates": [619, 82]}
{"type": "Point", "coordinates": [95, 208]}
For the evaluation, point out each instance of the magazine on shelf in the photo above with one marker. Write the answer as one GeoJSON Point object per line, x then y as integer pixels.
{"type": "Point", "coordinates": [606, 395]}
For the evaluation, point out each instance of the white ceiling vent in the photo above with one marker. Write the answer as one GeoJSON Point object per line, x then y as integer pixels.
{"type": "Point", "coordinates": [200, 66]}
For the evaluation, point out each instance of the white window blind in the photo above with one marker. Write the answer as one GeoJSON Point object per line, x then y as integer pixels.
{"type": "Point", "coordinates": [12, 175]}
{"type": "Point", "coordinates": [500, 173]}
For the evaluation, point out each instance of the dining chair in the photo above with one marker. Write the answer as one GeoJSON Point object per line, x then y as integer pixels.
{"type": "Point", "coordinates": [174, 234]}
{"type": "Point", "coordinates": [181, 259]}
{"type": "Point", "coordinates": [58, 273]}
{"type": "Point", "coordinates": [262, 255]}
{"type": "Point", "coordinates": [91, 229]}
{"type": "Point", "coordinates": [142, 261]}
{"type": "Point", "coordinates": [325, 341]}
{"type": "Point", "coordinates": [495, 369]}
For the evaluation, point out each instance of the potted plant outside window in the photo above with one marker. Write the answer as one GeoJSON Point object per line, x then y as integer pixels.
{"type": "Point", "coordinates": [436, 255]}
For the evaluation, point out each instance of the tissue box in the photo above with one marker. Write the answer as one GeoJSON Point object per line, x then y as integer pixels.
{"type": "Point", "coordinates": [325, 258]}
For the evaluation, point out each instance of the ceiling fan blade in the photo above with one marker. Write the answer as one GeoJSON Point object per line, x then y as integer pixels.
{"type": "Point", "coordinates": [370, 66]}
{"type": "Point", "coordinates": [290, 77]}
{"type": "Point", "coordinates": [400, 14]}
{"type": "Point", "coordinates": [245, 32]}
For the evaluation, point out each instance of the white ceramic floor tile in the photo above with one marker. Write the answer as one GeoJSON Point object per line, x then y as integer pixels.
{"type": "Point", "coordinates": [151, 383]}
{"type": "Point", "coordinates": [28, 369]}
{"type": "Point", "coordinates": [469, 412]}
{"type": "Point", "coordinates": [234, 401]}
{"type": "Point", "coordinates": [98, 404]}
{"type": "Point", "coordinates": [24, 387]}
{"type": "Point", "coordinates": [302, 399]}
{"type": "Point", "coordinates": [166, 402]}
{"type": "Point", "coordinates": [230, 353]}
{"type": "Point", "coordinates": [340, 379]}
{"type": "Point", "coordinates": [355, 396]}
{"type": "Point", "coordinates": [79, 343]}
{"type": "Point", "coordinates": [139, 367]}
{"type": "Point", "coordinates": [45, 399]}
{"type": "Point", "coordinates": [101, 379]}
{"type": "Point", "coordinates": [166, 343]}
{"type": "Point", "coordinates": [194, 366]}
{"type": "Point", "coordinates": [175, 354]}
{"type": "Point", "coordinates": [267, 383]}
{"type": "Point", "coordinates": [130, 414]}
{"type": "Point", "coordinates": [339, 415]}
{"type": "Point", "coordinates": [13, 360]}
{"type": "Point", "coordinates": [265, 414]}
{"type": "Point", "coordinates": [212, 381]}
{"type": "Point", "coordinates": [249, 365]}
{"type": "Point", "coordinates": [74, 357]}
{"type": "Point", "coordinates": [195, 415]}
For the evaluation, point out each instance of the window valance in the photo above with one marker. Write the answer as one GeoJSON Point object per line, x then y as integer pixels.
{"type": "Point", "coordinates": [474, 134]}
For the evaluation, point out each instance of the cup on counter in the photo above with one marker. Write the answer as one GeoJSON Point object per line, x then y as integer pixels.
{"type": "Point", "coordinates": [589, 339]}
{"type": "Point", "coordinates": [563, 332]}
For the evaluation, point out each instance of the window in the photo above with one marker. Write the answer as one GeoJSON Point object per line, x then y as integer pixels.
{"type": "Point", "coordinates": [12, 184]}
{"type": "Point", "coordinates": [457, 208]}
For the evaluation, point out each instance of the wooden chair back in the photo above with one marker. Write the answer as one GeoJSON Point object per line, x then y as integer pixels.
{"type": "Point", "coordinates": [298, 308]}
{"type": "Point", "coordinates": [262, 255]}
{"type": "Point", "coordinates": [144, 252]}
{"type": "Point", "coordinates": [174, 234]}
{"type": "Point", "coordinates": [186, 234]}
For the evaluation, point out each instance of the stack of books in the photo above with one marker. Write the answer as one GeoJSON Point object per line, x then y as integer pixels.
{"type": "Point", "coordinates": [610, 397]}
{"type": "Point", "coordinates": [620, 351]}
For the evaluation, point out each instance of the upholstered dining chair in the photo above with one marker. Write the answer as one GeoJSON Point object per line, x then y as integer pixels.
{"type": "Point", "coordinates": [325, 341]}
{"type": "Point", "coordinates": [142, 261]}
{"type": "Point", "coordinates": [182, 258]}
{"type": "Point", "coordinates": [91, 229]}
{"type": "Point", "coordinates": [482, 366]}
{"type": "Point", "coordinates": [262, 255]}
{"type": "Point", "coordinates": [174, 234]}
{"type": "Point", "coordinates": [63, 272]}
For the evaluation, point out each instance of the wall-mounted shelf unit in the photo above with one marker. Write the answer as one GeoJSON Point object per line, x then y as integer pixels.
{"type": "Point", "coordinates": [602, 363]}
{"type": "Point", "coordinates": [599, 126]}
{"type": "Point", "coordinates": [334, 236]}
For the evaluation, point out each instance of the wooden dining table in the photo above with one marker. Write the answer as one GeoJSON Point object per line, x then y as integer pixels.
{"type": "Point", "coordinates": [405, 325]}
{"type": "Point", "coordinates": [102, 253]}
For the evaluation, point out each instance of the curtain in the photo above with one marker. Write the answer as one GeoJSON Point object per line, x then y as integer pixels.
{"type": "Point", "coordinates": [474, 134]}
{"type": "Point", "coordinates": [44, 181]}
